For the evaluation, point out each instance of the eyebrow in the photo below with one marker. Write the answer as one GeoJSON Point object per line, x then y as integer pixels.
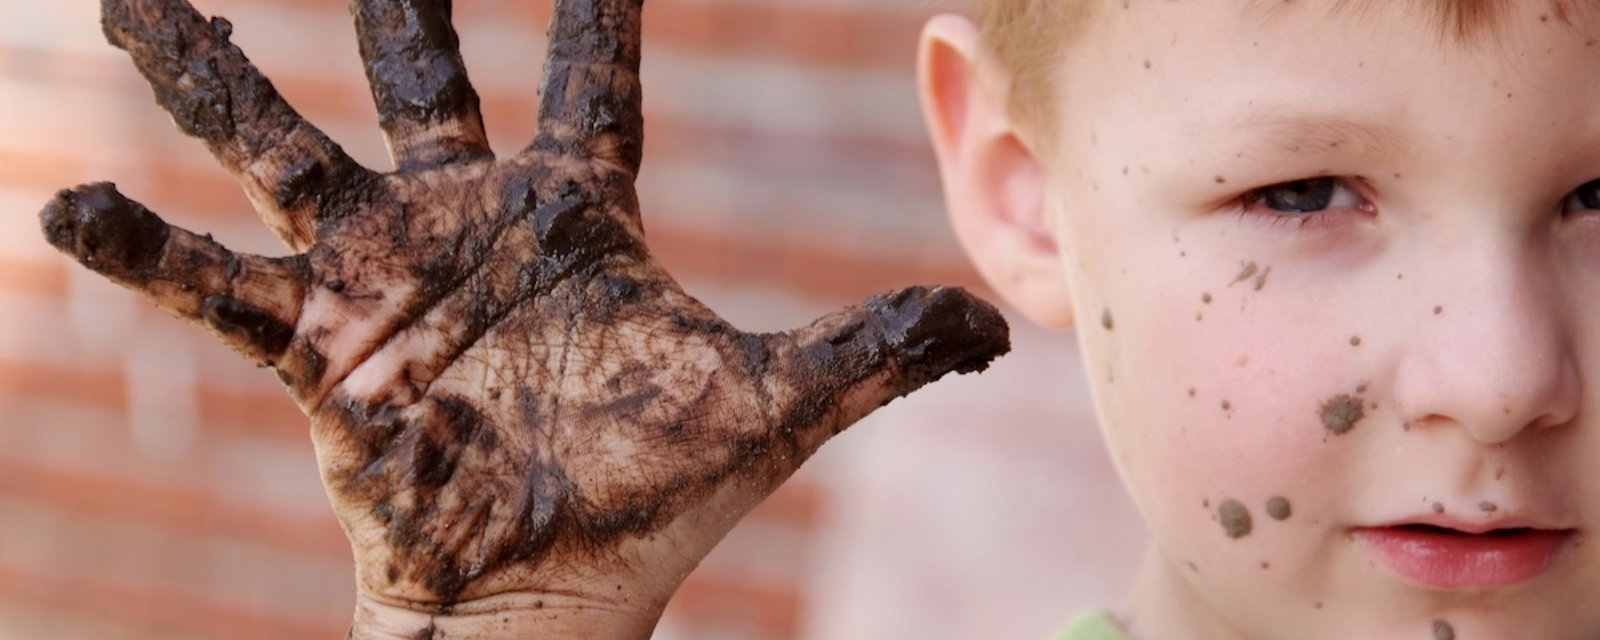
{"type": "Point", "coordinates": [1314, 134]}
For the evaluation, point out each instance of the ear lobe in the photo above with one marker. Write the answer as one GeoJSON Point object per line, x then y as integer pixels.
{"type": "Point", "coordinates": [994, 183]}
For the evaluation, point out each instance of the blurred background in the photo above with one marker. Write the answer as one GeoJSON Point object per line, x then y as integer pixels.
{"type": "Point", "coordinates": [154, 485]}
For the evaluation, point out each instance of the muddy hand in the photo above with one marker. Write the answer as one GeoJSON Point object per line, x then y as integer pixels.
{"type": "Point", "coordinates": [515, 408]}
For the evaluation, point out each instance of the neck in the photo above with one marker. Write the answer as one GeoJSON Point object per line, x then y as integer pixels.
{"type": "Point", "coordinates": [1164, 604]}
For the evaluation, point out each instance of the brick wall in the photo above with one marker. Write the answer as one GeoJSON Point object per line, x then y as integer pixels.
{"type": "Point", "coordinates": [154, 485]}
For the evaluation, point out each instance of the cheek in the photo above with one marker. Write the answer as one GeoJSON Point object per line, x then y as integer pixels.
{"type": "Point", "coordinates": [1214, 393]}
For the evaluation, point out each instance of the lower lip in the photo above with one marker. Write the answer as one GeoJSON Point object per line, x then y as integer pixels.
{"type": "Point", "coordinates": [1455, 561]}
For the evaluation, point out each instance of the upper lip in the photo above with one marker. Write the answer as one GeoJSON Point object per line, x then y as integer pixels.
{"type": "Point", "coordinates": [1501, 519]}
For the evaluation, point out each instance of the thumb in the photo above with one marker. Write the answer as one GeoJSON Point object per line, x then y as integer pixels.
{"type": "Point", "coordinates": [852, 361]}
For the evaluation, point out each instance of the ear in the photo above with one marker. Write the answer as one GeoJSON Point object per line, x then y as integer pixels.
{"type": "Point", "coordinates": [994, 184]}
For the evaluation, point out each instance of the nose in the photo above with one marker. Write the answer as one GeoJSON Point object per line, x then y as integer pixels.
{"type": "Point", "coordinates": [1494, 355]}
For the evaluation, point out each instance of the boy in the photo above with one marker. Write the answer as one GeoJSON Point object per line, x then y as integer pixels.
{"type": "Point", "coordinates": [1331, 262]}
{"type": "Point", "coordinates": [1331, 265]}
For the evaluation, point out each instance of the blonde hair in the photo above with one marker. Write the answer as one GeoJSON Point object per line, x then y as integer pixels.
{"type": "Point", "coordinates": [1027, 37]}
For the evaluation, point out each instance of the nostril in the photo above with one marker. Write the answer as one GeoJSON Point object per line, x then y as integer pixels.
{"type": "Point", "coordinates": [1546, 421]}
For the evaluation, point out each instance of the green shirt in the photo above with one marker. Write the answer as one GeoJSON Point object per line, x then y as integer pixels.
{"type": "Point", "coordinates": [1091, 625]}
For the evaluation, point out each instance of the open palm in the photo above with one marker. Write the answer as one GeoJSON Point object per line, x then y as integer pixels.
{"type": "Point", "coordinates": [509, 396]}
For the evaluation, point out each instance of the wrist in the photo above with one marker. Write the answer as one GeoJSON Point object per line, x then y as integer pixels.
{"type": "Point", "coordinates": [505, 616]}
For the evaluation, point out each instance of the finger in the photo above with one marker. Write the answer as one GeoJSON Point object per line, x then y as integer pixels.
{"type": "Point", "coordinates": [590, 97]}
{"type": "Point", "coordinates": [428, 109]}
{"type": "Point", "coordinates": [292, 172]}
{"type": "Point", "coordinates": [845, 365]}
{"type": "Point", "coordinates": [251, 302]}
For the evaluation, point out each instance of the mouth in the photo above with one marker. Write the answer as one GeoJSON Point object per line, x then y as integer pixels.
{"type": "Point", "coordinates": [1447, 557]}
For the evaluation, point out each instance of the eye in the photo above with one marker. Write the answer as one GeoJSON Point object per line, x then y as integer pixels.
{"type": "Point", "coordinates": [1586, 196]}
{"type": "Point", "coordinates": [1311, 195]}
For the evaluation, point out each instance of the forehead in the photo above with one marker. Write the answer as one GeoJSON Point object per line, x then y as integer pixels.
{"type": "Point", "coordinates": [1458, 20]}
{"type": "Point", "coordinates": [1209, 67]}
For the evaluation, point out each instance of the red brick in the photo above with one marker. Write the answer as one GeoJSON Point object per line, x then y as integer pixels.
{"type": "Point", "coordinates": [38, 278]}
{"type": "Point", "coordinates": [181, 509]}
{"type": "Point", "coordinates": [95, 388]}
{"type": "Point", "coordinates": [155, 610]}
{"type": "Point", "coordinates": [755, 611]}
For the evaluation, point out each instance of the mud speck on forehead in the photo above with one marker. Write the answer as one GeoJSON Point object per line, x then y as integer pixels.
{"type": "Point", "coordinates": [1235, 518]}
{"type": "Point", "coordinates": [1341, 413]}
{"type": "Point", "coordinates": [1443, 631]}
{"type": "Point", "coordinates": [1278, 508]}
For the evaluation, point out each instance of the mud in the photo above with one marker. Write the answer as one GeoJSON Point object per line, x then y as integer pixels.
{"type": "Point", "coordinates": [1488, 507]}
{"type": "Point", "coordinates": [1341, 413]}
{"type": "Point", "coordinates": [413, 60]}
{"type": "Point", "coordinates": [1106, 320]}
{"type": "Point", "coordinates": [106, 231]}
{"type": "Point", "coordinates": [253, 324]}
{"type": "Point", "coordinates": [1355, 341]}
{"type": "Point", "coordinates": [1278, 508]}
{"type": "Point", "coordinates": [1443, 631]}
{"type": "Point", "coordinates": [1261, 279]}
{"type": "Point", "coordinates": [213, 93]}
{"type": "Point", "coordinates": [451, 454]}
{"type": "Point", "coordinates": [518, 327]}
{"type": "Point", "coordinates": [1245, 273]}
{"type": "Point", "coordinates": [1235, 518]}
{"type": "Point", "coordinates": [1437, 507]}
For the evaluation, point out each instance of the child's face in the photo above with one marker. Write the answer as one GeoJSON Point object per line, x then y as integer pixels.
{"type": "Point", "coordinates": [1406, 353]}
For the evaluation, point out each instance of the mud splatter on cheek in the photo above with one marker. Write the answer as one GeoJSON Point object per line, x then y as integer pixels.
{"type": "Point", "coordinates": [1278, 508]}
{"type": "Point", "coordinates": [1261, 279]}
{"type": "Point", "coordinates": [1248, 270]}
{"type": "Point", "coordinates": [1341, 413]}
{"type": "Point", "coordinates": [1235, 518]}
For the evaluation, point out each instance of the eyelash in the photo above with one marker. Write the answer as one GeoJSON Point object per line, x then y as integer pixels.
{"type": "Point", "coordinates": [1574, 201]}
{"type": "Point", "coordinates": [1251, 203]}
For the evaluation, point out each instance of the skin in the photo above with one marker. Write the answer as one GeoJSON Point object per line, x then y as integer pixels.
{"type": "Point", "coordinates": [525, 427]}
{"type": "Point", "coordinates": [1460, 260]}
